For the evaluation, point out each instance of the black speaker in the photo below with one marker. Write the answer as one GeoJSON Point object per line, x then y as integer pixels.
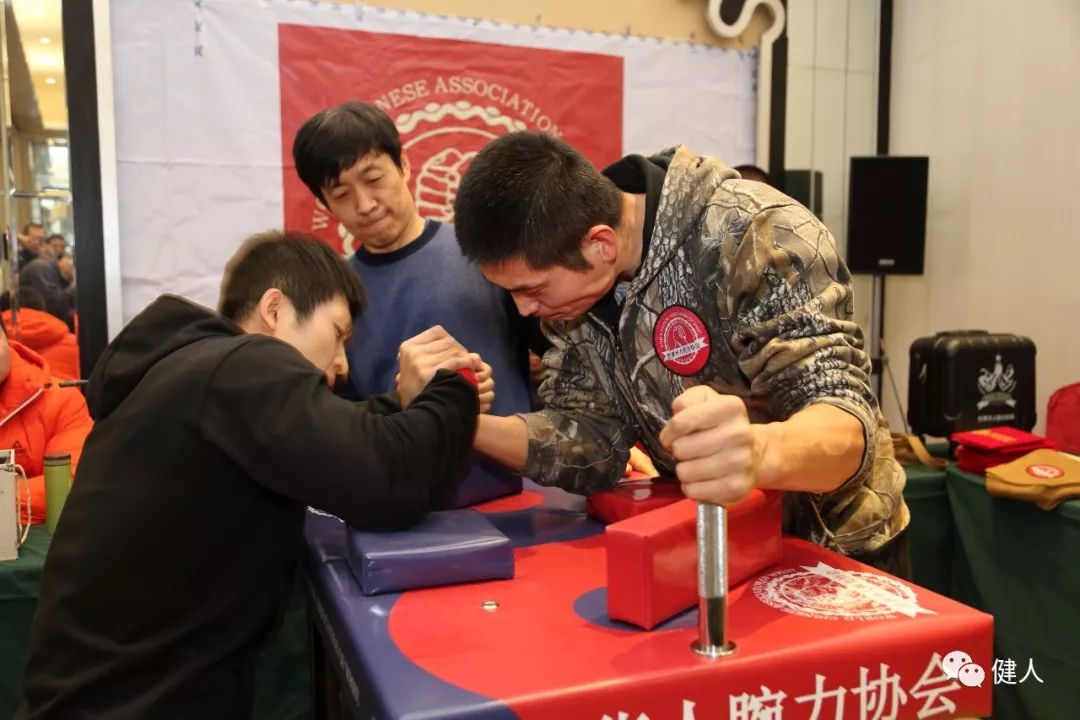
{"type": "Point", "coordinates": [806, 187]}
{"type": "Point", "coordinates": [887, 214]}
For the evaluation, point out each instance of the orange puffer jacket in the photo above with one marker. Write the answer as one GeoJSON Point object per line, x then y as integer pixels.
{"type": "Point", "coordinates": [37, 416]}
{"type": "Point", "coordinates": [49, 337]}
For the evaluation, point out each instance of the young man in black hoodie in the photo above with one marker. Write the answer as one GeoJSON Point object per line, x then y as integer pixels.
{"type": "Point", "coordinates": [174, 558]}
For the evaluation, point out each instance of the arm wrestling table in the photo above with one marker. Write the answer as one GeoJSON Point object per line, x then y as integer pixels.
{"type": "Point", "coordinates": [819, 636]}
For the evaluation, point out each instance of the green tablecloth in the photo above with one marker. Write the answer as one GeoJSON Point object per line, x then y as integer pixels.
{"type": "Point", "coordinates": [931, 532]}
{"type": "Point", "coordinates": [1022, 565]}
{"type": "Point", "coordinates": [19, 582]}
{"type": "Point", "coordinates": [282, 680]}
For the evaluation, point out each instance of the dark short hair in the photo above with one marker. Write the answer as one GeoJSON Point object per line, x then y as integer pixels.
{"type": "Point", "coordinates": [332, 140]}
{"type": "Point", "coordinates": [301, 266]}
{"type": "Point", "coordinates": [27, 226]}
{"type": "Point", "coordinates": [753, 172]}
{"type": "Point", "coordinates": [533, 197]}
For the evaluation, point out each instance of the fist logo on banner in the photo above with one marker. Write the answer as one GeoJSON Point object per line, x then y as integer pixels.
{"type": "Point", "coordinates": [448, 135]}
{"type": "Point", "coordinates": [448, 99]}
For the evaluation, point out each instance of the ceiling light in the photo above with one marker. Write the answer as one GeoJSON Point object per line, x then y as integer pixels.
{"type": "Point", "coordinates": [50, 81]}
{"type": "Point", "coordinates": [44, 40]}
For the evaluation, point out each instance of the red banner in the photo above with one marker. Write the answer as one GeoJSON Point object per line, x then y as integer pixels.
{"type": "Point", "coordinates": [448, 99]}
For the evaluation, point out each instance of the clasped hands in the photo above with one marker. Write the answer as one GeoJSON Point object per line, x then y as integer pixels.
{"type": "Point", "coordinates": [421, 356]}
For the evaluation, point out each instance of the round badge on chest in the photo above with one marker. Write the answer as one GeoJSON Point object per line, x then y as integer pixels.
{"type": "Point", "coordinates": [681, 340]}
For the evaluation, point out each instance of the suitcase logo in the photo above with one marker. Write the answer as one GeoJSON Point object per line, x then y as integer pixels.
{"type": "Point", "coordinates": [996, 386]}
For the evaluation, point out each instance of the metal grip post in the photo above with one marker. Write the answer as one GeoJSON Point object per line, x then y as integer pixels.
{"type": "Point", "coordinates": [712, 582]}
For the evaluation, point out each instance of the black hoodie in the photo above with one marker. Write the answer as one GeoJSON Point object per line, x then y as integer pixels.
{"type": "Point", "coordinates": [174, 557]}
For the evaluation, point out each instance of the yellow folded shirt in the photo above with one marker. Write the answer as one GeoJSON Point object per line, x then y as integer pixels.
{"type": "Point", "coordinates": [1044, 477]}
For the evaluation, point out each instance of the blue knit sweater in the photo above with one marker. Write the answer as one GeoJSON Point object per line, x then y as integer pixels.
{"type": "Point", "coordinates": [429, 282]}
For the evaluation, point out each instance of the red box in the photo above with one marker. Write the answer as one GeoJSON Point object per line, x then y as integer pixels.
{"type": "Point", "coordinates": [652, 558]}
{"type": "Point", "coordinates": [633, 497]}
{"type": "Point", "coordinates": [982, 449]}
{"type": "Point", "coordinates": [999, 438]}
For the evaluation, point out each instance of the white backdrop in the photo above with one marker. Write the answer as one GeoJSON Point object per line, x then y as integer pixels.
{"type": "Point", "coordinates": [198, 118]}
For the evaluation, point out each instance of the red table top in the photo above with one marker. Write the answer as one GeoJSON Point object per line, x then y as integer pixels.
{"type": "Point", "coordinates": [818, 635]}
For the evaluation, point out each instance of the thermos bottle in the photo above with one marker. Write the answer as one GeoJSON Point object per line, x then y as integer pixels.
{"type": "Point", "coordinates": [57, 484]}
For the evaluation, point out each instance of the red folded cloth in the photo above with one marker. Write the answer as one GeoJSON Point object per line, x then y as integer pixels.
{"type": "Point", "coordinates": [977, 461]}
{"type": "Point", "coordinates": [981, 449]}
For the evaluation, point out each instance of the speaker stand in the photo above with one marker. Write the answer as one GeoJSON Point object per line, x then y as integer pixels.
{"type": "Point", "coordinates": [877, 334]}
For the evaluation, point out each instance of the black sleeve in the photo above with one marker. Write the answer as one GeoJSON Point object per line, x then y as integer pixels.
{"type": "Point", "coordinates": [378, 404]}
{"type": "Point", "coordinates": [270, 411]}
{"type": "Point", "coordinates": [384, 404]}
{"type": "Point", "coordinates": [381, 404]}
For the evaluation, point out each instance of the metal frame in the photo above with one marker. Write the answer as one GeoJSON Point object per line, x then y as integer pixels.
{"type": "Point", "coordinates": [5, 162]}
{"type": "Point", "coordinates": [877, 305]}
{"type": "Point", "coordinates": [92, 140]}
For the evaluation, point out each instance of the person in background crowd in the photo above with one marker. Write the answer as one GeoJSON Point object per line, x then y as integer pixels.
{"type": "Point", "coordinates": [43, 275]}
{"type": "Point", "coordinates": [44, 334]}
{"type": "Point", "coordinates": [57, 245]}
{"type": "Point", "coordinates": [707, 316]}
{"type": "Point", "coordinates": [30, 242]}
{"type": "Point", "coordinates": [174, 558]}
{"type": "Point", "coordinates": [37, 416]}
{"type": "Point", "coordinates": [65, 263]}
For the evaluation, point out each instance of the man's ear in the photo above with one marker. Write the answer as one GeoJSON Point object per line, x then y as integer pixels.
{"type": "Point", "coordinates": [268, 310]}
{"type": "Point", "coordinates": [600, 244]}
{"type": "Point", "coordinates": [406, 168]}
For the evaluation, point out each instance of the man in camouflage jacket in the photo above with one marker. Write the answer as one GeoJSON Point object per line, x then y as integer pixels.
{"type": "Point", "coordinates": [721, 282]}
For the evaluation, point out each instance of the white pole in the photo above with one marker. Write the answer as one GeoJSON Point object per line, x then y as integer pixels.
{"type": "Point", "coordinates": [110, 213]}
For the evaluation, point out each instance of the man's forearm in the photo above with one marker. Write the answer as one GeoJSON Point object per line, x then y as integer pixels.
{"type": "Point", "coordinates": [815, 450]}
{"type": "Point", "coordinates": [504, 440]}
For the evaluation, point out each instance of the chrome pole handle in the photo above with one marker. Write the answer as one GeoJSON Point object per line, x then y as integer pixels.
{"type": "Point", "coordinates": [712, 582]}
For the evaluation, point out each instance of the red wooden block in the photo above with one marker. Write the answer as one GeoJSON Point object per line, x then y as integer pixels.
{"type": "Point", "coordinates": [633, 497]}
{"type": "Point", "coordinates": [652, 558]}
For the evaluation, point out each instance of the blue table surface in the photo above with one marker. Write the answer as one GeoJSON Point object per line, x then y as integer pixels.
{"type": "Point", "coordinates": [355, 626]}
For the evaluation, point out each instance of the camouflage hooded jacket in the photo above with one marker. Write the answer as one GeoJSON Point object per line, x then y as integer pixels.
{"type": "Point", "coordinates": [742, 289]}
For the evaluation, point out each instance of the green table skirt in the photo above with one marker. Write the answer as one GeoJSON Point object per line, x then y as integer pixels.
{"type": "Point", "coordinates": [19, 583]}
{"type": "Point", "coordinates": [931, 532]}
{"type": "Point", "coordinates": [1021, 564]}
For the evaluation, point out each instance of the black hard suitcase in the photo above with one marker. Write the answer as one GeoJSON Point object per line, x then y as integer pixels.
{"type": "Point", "coordinates": [971, 379]}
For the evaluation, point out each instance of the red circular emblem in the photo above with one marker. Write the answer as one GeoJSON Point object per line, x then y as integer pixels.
{"type": "Point", "coordinates": [681, 340]}
{"type": "Point", "coordinates": [1048, 472]}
